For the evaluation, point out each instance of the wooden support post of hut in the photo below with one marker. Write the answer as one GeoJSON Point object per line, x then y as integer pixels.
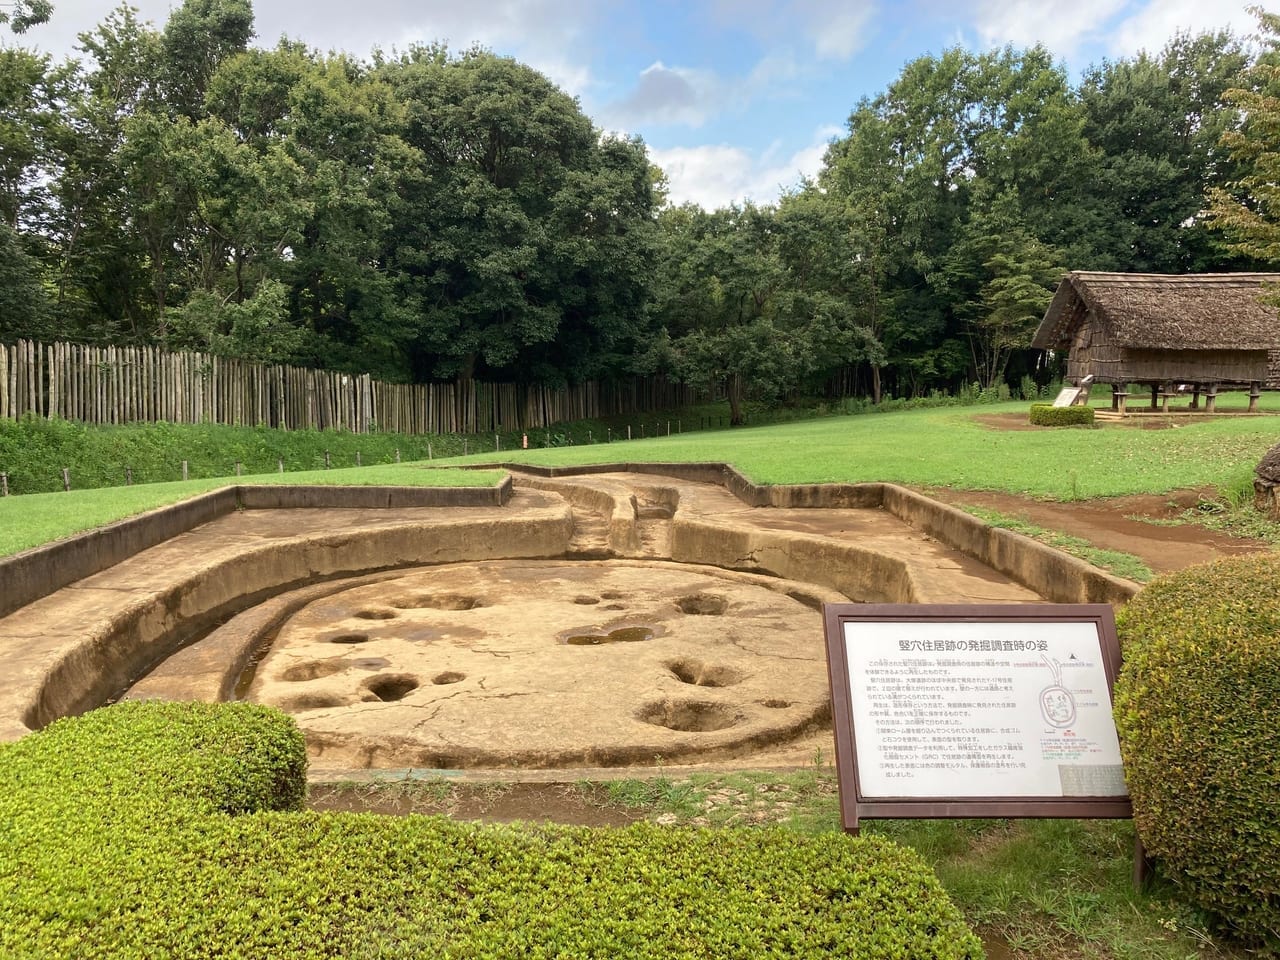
{"type": "Point", "coordinates": [1158, 331]}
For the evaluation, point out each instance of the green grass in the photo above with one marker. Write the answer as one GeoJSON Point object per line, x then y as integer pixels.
{"type": "Point", "coordinates": [38, 518]}
{"type": "Point", "coordinates": [1114, 561]}
{"type": "Point", "coordinates": [947, 447]}
{"type": "Point", "coordinates": [930, 447]}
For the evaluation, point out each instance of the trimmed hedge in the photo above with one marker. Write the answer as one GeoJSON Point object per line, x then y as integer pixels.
{"type": "Point", "coordinates": [1047, 415]}
{"type": "Point", "coordinates": [1198, 711]}
{"type": "Point", "coordinates": [117, 839]}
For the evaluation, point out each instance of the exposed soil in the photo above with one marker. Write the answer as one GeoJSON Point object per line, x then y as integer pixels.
{"type": "Point", "coordinates": [585, 805]}
{"type": "Point", "coordinates": [1120, 523]}
{"type": "Point", "coordinates": [1116, 523]}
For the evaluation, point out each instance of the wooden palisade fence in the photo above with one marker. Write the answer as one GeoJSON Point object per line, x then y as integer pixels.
{"type": "Point", "coordinates": [146, 384]}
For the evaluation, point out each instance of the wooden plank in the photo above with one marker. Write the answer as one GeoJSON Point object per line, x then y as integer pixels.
{"type": "Point", "coordinates": [5, 410]}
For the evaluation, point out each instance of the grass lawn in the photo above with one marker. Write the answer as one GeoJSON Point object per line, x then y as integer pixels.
{"type": "Point", "coordinates": [948, 447]}
{"type": "Point", "coordinates": [37, 518]}
{"type": "Point", "coordinates": [945, 447]}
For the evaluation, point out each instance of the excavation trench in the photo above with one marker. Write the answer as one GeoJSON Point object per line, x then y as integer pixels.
{"type": "Point", "coordinates": [604, 620]}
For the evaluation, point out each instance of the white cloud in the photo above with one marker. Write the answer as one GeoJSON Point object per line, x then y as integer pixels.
{"type": "Point", "coordinates": [1154, 25]}
{"type": "Point", "coordinates": [716, 175]}
{"type": "Point", "coordinates": [538, 32]}
{"type": "Point", "coordinates": [1061, 25]}
{"type": "Point", "coordinates": [1116, 28]}
{"type": "Point", "coordinates": [541, 33]}
{"type": "Point", "coordinates": [688, 97]}
{"type": "Point", "coordinates": [834, 29]}
{"type": "Point", "coordinates": [839, 34]}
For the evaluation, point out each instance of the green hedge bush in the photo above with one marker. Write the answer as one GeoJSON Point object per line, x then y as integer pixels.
{"type": "Point", "coordinates": [155, 830]}
{"type": "Point", "coordinates": [1198, 711]}
{"type": "Point", "coordinates": [1047, 415]}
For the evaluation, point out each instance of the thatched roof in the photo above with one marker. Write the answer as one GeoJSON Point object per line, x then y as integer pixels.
{"type": "Point", "coordinates": [1152, 311]}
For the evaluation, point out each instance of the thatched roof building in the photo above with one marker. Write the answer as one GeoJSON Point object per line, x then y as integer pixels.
{"type": "Point", "coordinates": [1206, 330]}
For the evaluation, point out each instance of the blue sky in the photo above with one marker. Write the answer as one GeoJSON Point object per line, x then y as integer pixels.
{"type": "Point", "coordinates": [735, 99]}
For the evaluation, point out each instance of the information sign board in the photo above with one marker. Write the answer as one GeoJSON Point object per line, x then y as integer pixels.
{"type": "Point", "coordinates": [975, 711]}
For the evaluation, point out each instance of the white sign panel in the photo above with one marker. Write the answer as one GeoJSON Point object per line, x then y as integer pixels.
{"type": "Point", "coordinates": [1066, 396]}
{"type": "Point", "coordinates": [963, 710]}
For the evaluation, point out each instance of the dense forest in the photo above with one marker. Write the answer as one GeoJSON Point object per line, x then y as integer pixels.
{"type": "Point", "coordinates": [432, 215]}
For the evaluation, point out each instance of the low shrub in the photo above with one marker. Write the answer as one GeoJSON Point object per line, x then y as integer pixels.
{"type": "Point", "coordinates": [1047, 415]}
{"type": "Point", "coordinates": [116, 840]}
{"type": "Point", "coordinates": [1198, 711]}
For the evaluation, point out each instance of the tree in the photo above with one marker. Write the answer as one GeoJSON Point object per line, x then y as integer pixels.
{"type": "Point", "coordinates": [28, 123]}
{"type": "Point", "coordinates": [1247, 209]}
{"type": "Point", "coordinates": [22, 15]}
{"type": "Point", "coordinates": [830, 291]}
{"type": "Point", "coordinates": [97, 262]}
{"type": "Point", "coordinates": [1156, 123]}
{"type": "Point", "coordinates": [1014, 275]}
{"type": "Point", "coordinates": [303, 167]}
{"type": "Point", "coordinates": [523, 244]}
{"type": "Point", "coordinates": [24, 308]}
{"type": "Point", "coordinates": [197, 37]}
{"type": "Point", "coordinates": [724, 297]}
{"type": "Point", "coordinates": [919, 172]}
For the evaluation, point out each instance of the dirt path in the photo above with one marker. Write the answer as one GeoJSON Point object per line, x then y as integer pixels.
{"type": "Point", "coordinates": [1119, 523]}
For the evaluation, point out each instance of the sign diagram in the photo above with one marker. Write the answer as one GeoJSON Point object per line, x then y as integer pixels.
{"type": "Point", "coordinates": [1000, 709]}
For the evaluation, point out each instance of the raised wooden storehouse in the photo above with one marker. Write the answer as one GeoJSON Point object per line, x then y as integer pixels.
{"type": "Point", "coordinates": [1196, 332]}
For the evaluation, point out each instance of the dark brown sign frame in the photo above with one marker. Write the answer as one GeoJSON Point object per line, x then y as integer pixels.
{"type": "Point", "coordinates": [854, 806]}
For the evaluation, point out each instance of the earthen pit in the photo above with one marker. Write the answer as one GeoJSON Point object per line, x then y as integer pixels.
{"type": "Point", "coordinates": [480, 666]}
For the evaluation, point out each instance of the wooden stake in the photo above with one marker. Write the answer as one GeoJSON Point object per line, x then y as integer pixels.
{"type": "Point", "coordinates": [1141, 866]}
{"type": "Point", "coordinates": [4, 484]}
{"type": "Point", "coordinates": [358, 463]}
{"type": "Point", "coordinates": [128, 476]}
{"type": "Point", "coordinates": [397, 454]}
{"type": "Point", "coordinates": [184, 470]}
{"type": "Point", "coordinates": [326, 459]}
{"type": "Point", "coordinates": [280, 464]}
{"type": "Point", "coordinates": [66, 479]}
{"type": "Point", "coordinates": [237, 468]}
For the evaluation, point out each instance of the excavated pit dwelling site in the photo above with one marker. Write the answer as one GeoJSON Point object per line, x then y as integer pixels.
{"type": "Point", "coordinates": [592, 621]}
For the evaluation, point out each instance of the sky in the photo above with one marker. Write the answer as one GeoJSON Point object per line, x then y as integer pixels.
{"type": "Point", "coordinates": [735, 99]}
